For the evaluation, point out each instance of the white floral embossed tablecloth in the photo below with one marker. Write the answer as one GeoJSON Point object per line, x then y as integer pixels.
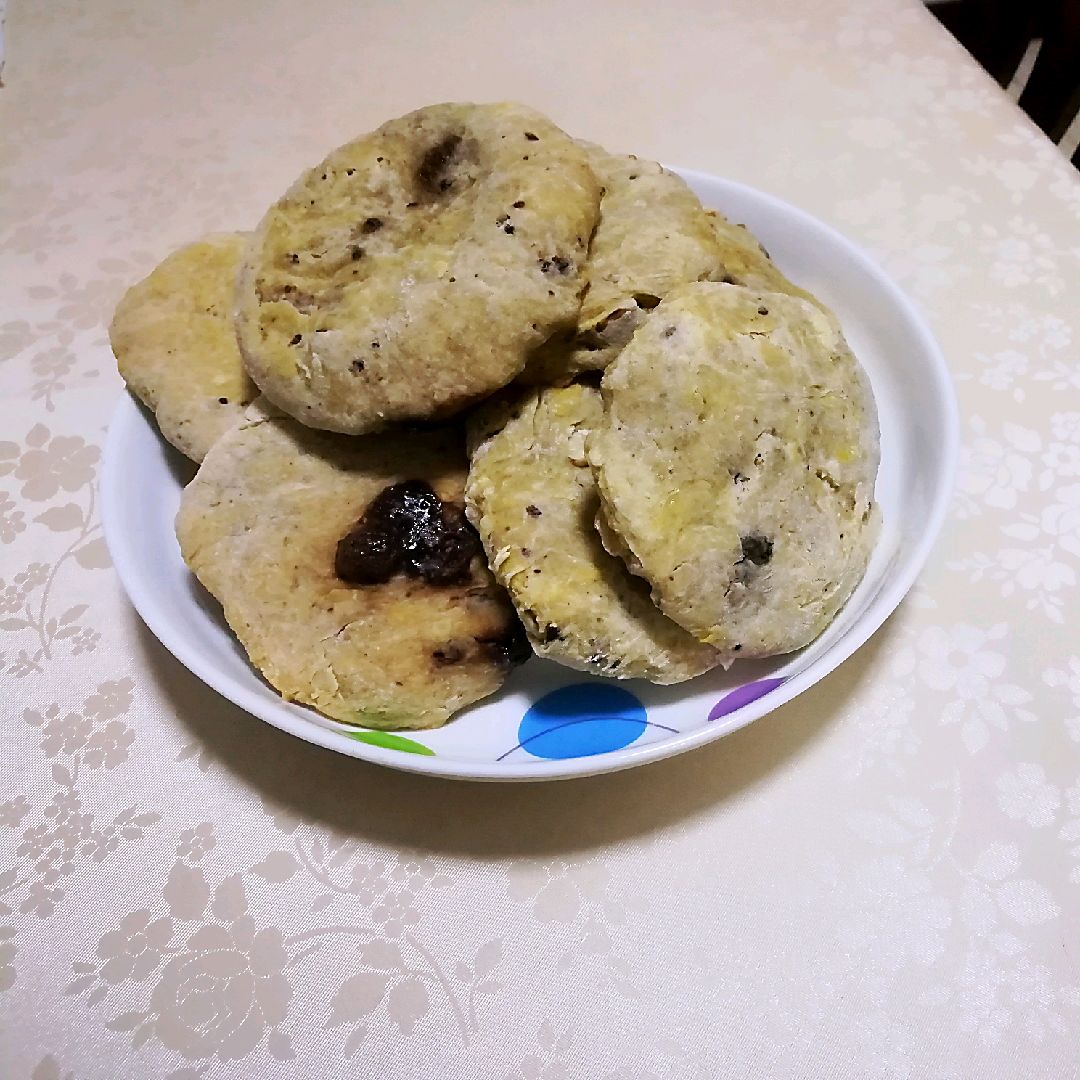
{"type": "Point", "coordinates": [881, 879]}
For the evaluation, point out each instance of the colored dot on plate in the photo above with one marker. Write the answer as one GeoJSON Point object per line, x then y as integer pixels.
{"type": "Point", "coordinates": [743, 695]}
{"type": "Point", "coordinates": [392, 742]}
{"type": "Point", "coordinates": [580, 720]}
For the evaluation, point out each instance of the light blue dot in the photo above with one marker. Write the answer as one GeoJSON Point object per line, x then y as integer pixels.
{"type": "Point", "coordinates": [581, 720]}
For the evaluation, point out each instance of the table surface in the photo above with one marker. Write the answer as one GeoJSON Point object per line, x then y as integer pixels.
{"type": "Point", "coordinates": [881, 879]}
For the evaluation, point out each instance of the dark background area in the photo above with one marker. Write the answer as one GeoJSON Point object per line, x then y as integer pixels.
{"type": "Point", "coordinates": [1032, 46]}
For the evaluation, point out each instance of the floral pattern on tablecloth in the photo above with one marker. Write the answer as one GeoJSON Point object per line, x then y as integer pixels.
{"type": "Point", "coordinates": [881, 879]}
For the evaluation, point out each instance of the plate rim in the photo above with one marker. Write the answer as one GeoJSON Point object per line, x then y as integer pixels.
{"type": "Point", "coordinates": [128, 414]}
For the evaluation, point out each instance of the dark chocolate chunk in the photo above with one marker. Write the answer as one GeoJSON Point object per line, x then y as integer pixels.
{"type": "Point", "coordinates": [757, 549]}
{"type": "Point", "coordinates": [445, 548]}
{"type": "Point", "coordinates": [367, 556]}
{"type": "Point", "coordinates": [532, 511]}
{"type": "Point", "coordinates": [560, 264]}
{"type": "Point", "coordinates": [371, 224]}
{"type": "Point", "coordinates": [408, 528]}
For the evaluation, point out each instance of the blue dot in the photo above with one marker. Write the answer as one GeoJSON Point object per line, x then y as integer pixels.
{"type": "Point", "coordinates": [580, 720]}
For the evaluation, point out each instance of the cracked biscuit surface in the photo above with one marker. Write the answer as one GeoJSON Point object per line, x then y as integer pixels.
{"type": "Point", "coordinates": [532, 497]}
{"type": "Point", "coordinates": [736, 464]}
{"type": "Point", "coordinates": [415, 268]}
{"type": "Point", "coordinates": [652, 235]}
{"type": "Point", "coordinates": [299, 535]}
{"type": "Point", "coordinates": [173, 338]}
{"type": "Point", "coordinates": [746, 262]}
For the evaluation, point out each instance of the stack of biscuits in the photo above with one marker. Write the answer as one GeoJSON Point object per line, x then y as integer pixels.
{"type": "Point", "coordinates": [474, 390]}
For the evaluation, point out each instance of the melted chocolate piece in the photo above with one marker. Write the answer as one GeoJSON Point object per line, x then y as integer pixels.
{"type": "Point", "coordinates": [408, 528]}
{"type": "Point", "coordinates": [432, 171]}
{"type": "Point", "coordinates": [367, 557]}
{"type": "Point", "coordinates": [445, 551]}
{"type": "Point", "coordinates": [448, 654]}
{"type": "Point", "coordinates": [509, 648]}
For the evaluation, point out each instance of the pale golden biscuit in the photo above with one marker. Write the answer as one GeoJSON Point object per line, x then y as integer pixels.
{"type": "Point", "coordinates": [736, 463]}
{"type": "Point", "coordinates": [173, 338]}
{"type": "Point", "coordinates": [413, 271]}
{"type": "Point", "coordinates": [653, 234]}
{"type": "Point", "coordinates": [532, 497]}
{"type": "Point", "coordinates": [262, 526]}
{"type": "Point", "coordinates": [746, 262]}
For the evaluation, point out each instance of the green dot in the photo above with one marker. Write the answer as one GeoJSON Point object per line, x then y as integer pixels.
{"type": "Point", "coordinates": [392, 742]}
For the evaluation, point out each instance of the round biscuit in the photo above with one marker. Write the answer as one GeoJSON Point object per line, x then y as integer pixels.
{"type": "Point", "coordinates": [172, 335]}
{"type": "Point", "coordinates": [260, 526]}
{"type": "Point", "coordinates": [532, 497]}
{"type": "Point", "coordinates": [413, 270]}
{"type": "Point", "coordinates": [736, 463]}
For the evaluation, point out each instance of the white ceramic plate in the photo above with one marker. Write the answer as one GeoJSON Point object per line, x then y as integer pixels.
{"type": "Point", "coordinates": [549, 721]}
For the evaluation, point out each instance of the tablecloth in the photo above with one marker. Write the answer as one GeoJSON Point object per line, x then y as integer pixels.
{"type": "Point", "coordinates": [880, 879]}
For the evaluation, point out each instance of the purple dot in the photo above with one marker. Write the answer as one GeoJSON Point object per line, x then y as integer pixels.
{"type": "Point", "coordinates": [741, 696]}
